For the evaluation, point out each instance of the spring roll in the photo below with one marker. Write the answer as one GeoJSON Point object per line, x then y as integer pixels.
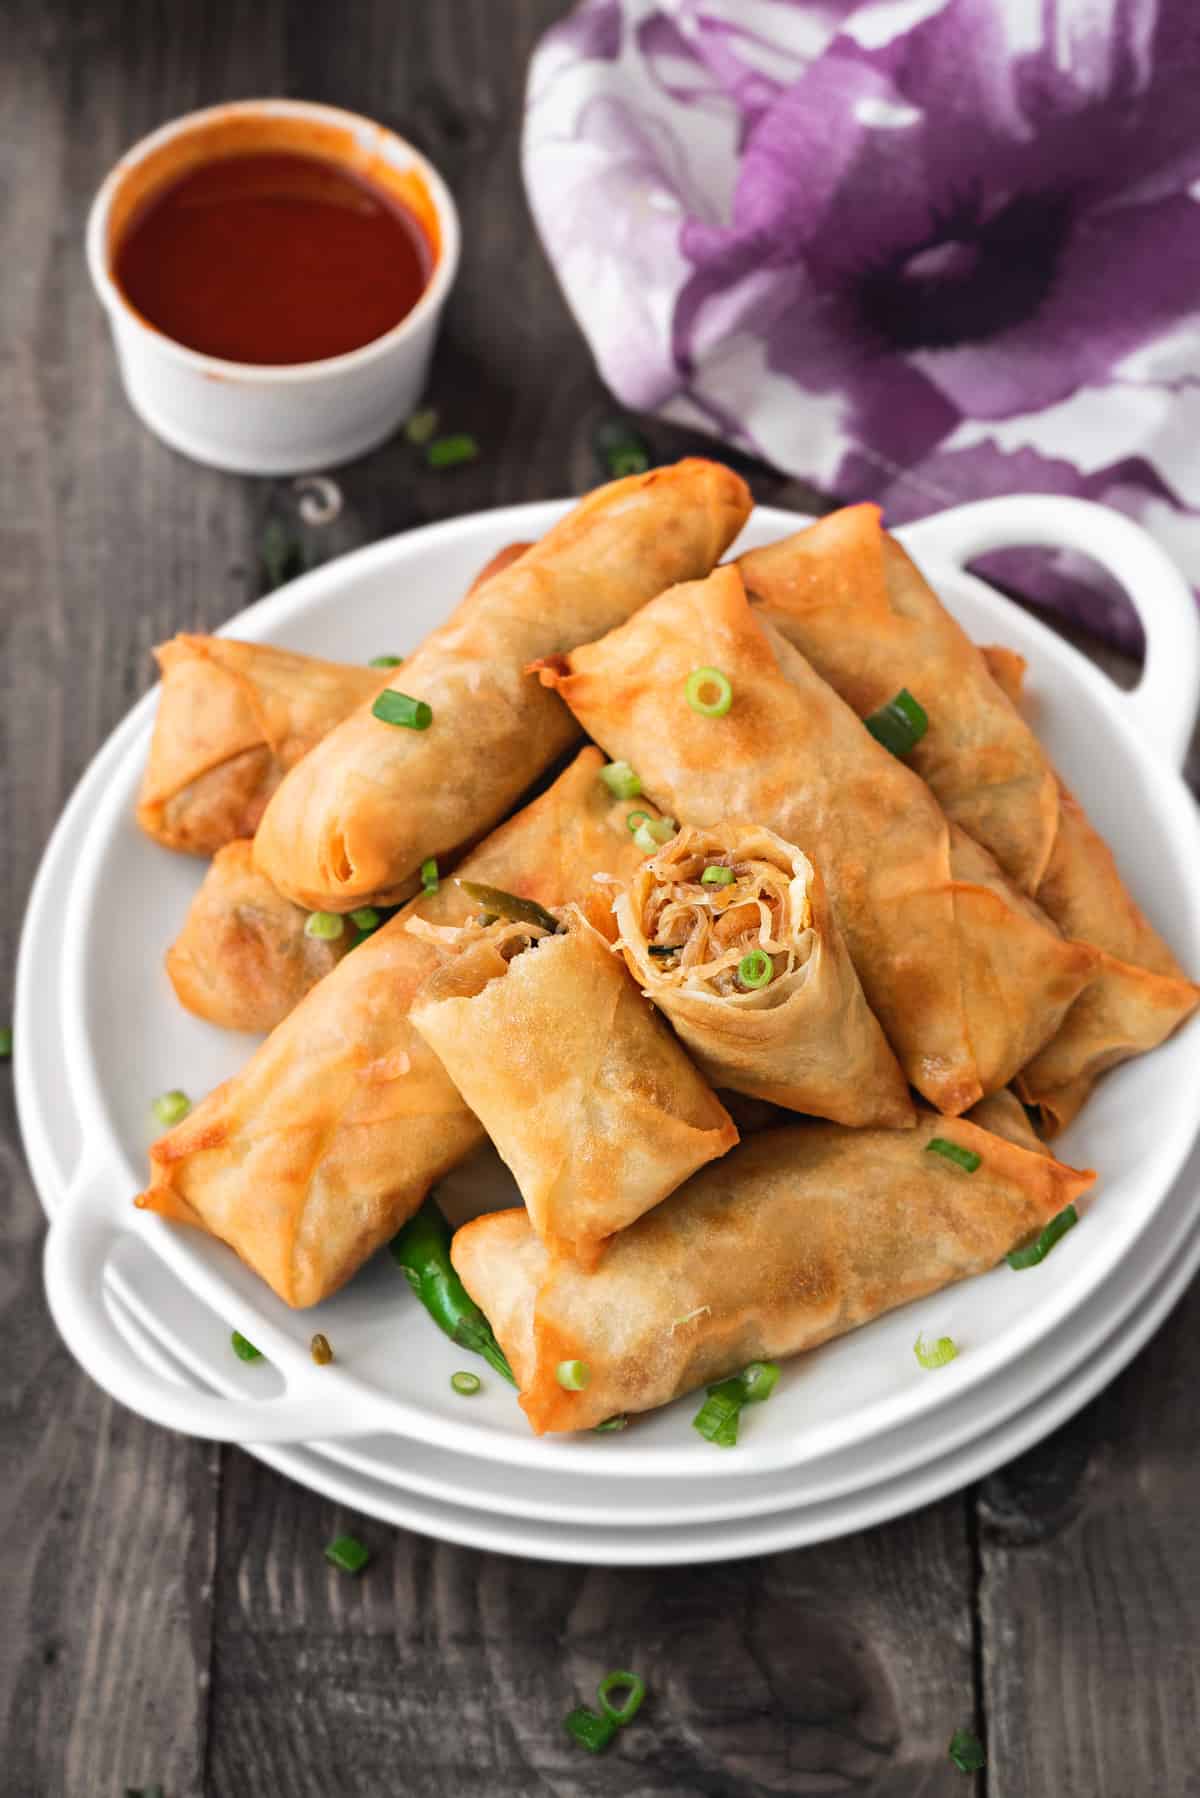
{"type": "Point", "coordinates": [846, 595]}
{"type": "Point", "coordinates": [1004, 1115]}
{"type": "Point", "coordinates": [244, 959]}
{"type": "Point", "coordinates": [966, 976]}
{"type": "Point", "coordinates": [339, 1124]}
{"type": "Point", "coordinates": [586, 1094]}
{"type": "Point", "coordinates": [805, 1038]}
{"type": "Point", "coordinates": [351, 825]}
{"type": "Point", "coordinates": [798, 1236]}
{"type": "Point", "coordinates": [232, 719]}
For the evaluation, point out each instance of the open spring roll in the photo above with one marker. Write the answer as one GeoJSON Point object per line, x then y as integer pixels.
{"type": "Point", "coordinates": [846, 595]}
{"type": "Point", "coordinates": [967, 978]}
{"type": "Point", "coordinates": [336, 1128]}
{"type": "Point", "coordinates": [793, 1026]}
{"type": "Point", "coordinates": [244, 959]}
{"type": "Point", "coordinates": [232, 719]}
{"type": "Point", "coordinates": [799, 1235]}
{"type": "Point", "coordinates": [353, 822]}
{"type": "Point", "coordinates": [586, 1094]}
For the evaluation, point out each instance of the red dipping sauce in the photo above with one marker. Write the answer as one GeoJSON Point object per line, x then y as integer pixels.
{"type": "Point", "coordinates": [273, 257]}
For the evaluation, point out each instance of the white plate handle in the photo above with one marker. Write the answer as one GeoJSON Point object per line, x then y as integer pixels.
{"type": "Point", "coordinates": [1162, 707]}
{"type": "Point", "coordinates": [82, 1236]}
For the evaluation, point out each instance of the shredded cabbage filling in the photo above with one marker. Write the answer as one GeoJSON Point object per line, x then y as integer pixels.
{"type": "Point", "coordinates": [699, 934]}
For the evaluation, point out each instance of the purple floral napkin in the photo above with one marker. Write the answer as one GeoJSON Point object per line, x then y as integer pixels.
{"type": "Point", "coordinates": [919, 251]}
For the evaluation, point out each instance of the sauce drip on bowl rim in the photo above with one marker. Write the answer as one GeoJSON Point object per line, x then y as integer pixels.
{"type": "Point", "coordinates": [273, 258]}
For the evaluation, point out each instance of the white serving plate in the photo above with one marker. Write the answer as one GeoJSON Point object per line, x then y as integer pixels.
{"type": "Point", "coordinates": [392, 1370]}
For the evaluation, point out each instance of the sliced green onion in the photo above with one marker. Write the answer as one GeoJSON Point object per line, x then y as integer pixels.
{"type": "Point", "coordinates": [385, 661]}
{"type": "Point", "coordinates": [348, 1553]}
{"type": "Point", "coordinates": [623, 1713]}
{"type": "Point", "coordinates": [326, 926]}
{"type": "Point", "coordinates": [590, 1731]}
{"type": "Point", "coordinates": [935, 1354]}
{"type": "Point", "coordinates": [717, 877]}
{"type": "Point", "coordinates": [280, 554]}
{"type": "Point", "coordinates": [421, 425]}
{"type": "Point", "coordinates": [448, 452]}
{"type": "Point", "coordinates": [717, 1418]}
{"type": "Point", "coordinates": [572, 1376]}
{"type": "Point", "coordinates": [654, 833]}
{"type": "Point", "coordinates": [171, 1108]}
{"type": "Point", "coordinates": [429, 876]}
{"type": "Point", "coordinates": [466, 1383]}
{"type": "Point", "coordinates": [701, 681]}
{"type": "Point", "coordinates": [1037, 1251]}
{"type": "Point", "coordinates": [966, 1159]}
{"type": "Point", "coordinates": [900, 724]}
{"type": "Point", "coordinates": [619, 1422]}
{"type": "Point", "coordinates": [244, 1349]}
{"type": "Point", "coordinates": [621, 780]}
{"type": "Point", "coordinates": [365, 918]}
{"type": "Point", "coordinates": [619, 449]}
{"type": "Point", "coordinates": [634, 819]}
{"type": "Point", "coordinates": [510, 905]}
{"type": "Point", "coordinates": [398, 708]}
{"type": "Point", "coordinates": [5, 1044]}
{"type": "Point", "coordinates": [759, 1381]}
{"type": "Point", "coordinates": [320, 1350]}
{"type": "Point", "coordinates": [756, 969]}
{"type": "Point", "coordinates": [966, 1751]}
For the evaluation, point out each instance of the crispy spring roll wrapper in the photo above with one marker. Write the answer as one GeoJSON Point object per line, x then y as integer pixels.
{"type": "Point", "coordinates": [232, 719]}
{"type": "Point", "coordinates": [807, 1041]}
{"type": "Point", "coordinates": [586, 1094]}
{"type": "Point", "coordinates": [847, 596]}
{"type": "Point", "coordinates": [799, 1235]}
{"type": "Point", "coordinates": [964, 973]}
{"type": "Point", "coordinates": [354, 821]}
{"type": "Point", "coordinates": [336, 1128]}
{"type": "Point", "coordinates": [851, 601]}
{"type": "Point", "coordinates": [1004, 1115]}
{"type": "Point", "coordinates": [243, 959]}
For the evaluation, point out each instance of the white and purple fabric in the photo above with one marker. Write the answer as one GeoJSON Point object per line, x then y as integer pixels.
{"type": "Point", "coordinates": [917, 251]}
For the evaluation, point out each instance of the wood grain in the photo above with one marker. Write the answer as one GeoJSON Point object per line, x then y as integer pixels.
{"type": "Point", "coordinates": [168, 1614]}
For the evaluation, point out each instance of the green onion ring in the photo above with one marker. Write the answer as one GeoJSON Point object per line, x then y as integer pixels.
{"type": "Point", "coordinates": [756, 969]}
{"type": "Point", "coordinates": [717, 876]}
{"type": "Point", "coordinates": [325, 926]}
{"type": "Point", "coordinates": [624, 1713]}
{"type": "Point", "coordinates": [466, 1384]}
{"type": "Point", "coordinates": [621, 780]}
{"type": "Point", "coordinates": [697, 681]}
{"type": "Point", "coordinates": [572, 1376]}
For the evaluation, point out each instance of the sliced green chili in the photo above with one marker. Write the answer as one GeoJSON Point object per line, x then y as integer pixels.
{"type": "Point", "coordinates": [422, 1250]}
{"type": "Point", "coordinates": [510, 905]}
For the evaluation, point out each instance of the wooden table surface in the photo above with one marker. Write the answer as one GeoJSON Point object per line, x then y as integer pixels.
{"type": "Point", "coordinates": [167, 1613]}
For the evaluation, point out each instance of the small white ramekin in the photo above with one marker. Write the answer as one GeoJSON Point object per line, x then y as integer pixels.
{"type": "Point", "coordinates": [259, 419]}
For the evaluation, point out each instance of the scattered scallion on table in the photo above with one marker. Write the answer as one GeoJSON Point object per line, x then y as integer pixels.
{"type": "Point", "coordinates": [1055, 1230]}
{"type": "Point", "coordinates": [900, 724]}
{"type": "Point", "coordinates": [243, 1348]}
{"type": "Point", "coordinates": [935, 1354]}
{"type": "Point", "coordinates": [449, 452]}
{"type": "Point", "coordinates": [619, 449]}
{"type": "Point", "coordinates": [5, 1044]}
{"type": "Point", "coordinates": [594, 1730]}
{"type": "Point", "coordinates": [709, 692]}
{"type": "Point", "coordinates": [325, 926]}
{"type": "Point", "coordinates": [422, 425]}
{"type": "Point", "coordinates": [171, 1108]}
{"type": "Point", "coordinates": [967, 1159]}
{"type": "Point", "coordinates": [422, 1251]}
{"type": "Point", "coordinates": [402, 710]}
{"type": "Point", "coordinates": [621, 780]}
{"type": "Point", "coordinates": [966, 1751]}
{"type": "Point", "coordinates": [591, 1731]}
{"type": "Point", "coordinates": [348, 1553]}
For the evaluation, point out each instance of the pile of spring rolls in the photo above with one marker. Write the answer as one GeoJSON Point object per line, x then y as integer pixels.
{"type": "Point", "coordinates": [733, 913]}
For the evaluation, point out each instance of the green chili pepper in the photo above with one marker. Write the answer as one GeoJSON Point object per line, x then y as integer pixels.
{"type": "Point", "coordinates": [510, 905]}
{"type": "Point", "coordinates": [422, 1250]}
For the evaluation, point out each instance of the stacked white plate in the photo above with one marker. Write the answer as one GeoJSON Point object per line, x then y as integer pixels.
{"type": "Point", "coordinates": [856, 1432]}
